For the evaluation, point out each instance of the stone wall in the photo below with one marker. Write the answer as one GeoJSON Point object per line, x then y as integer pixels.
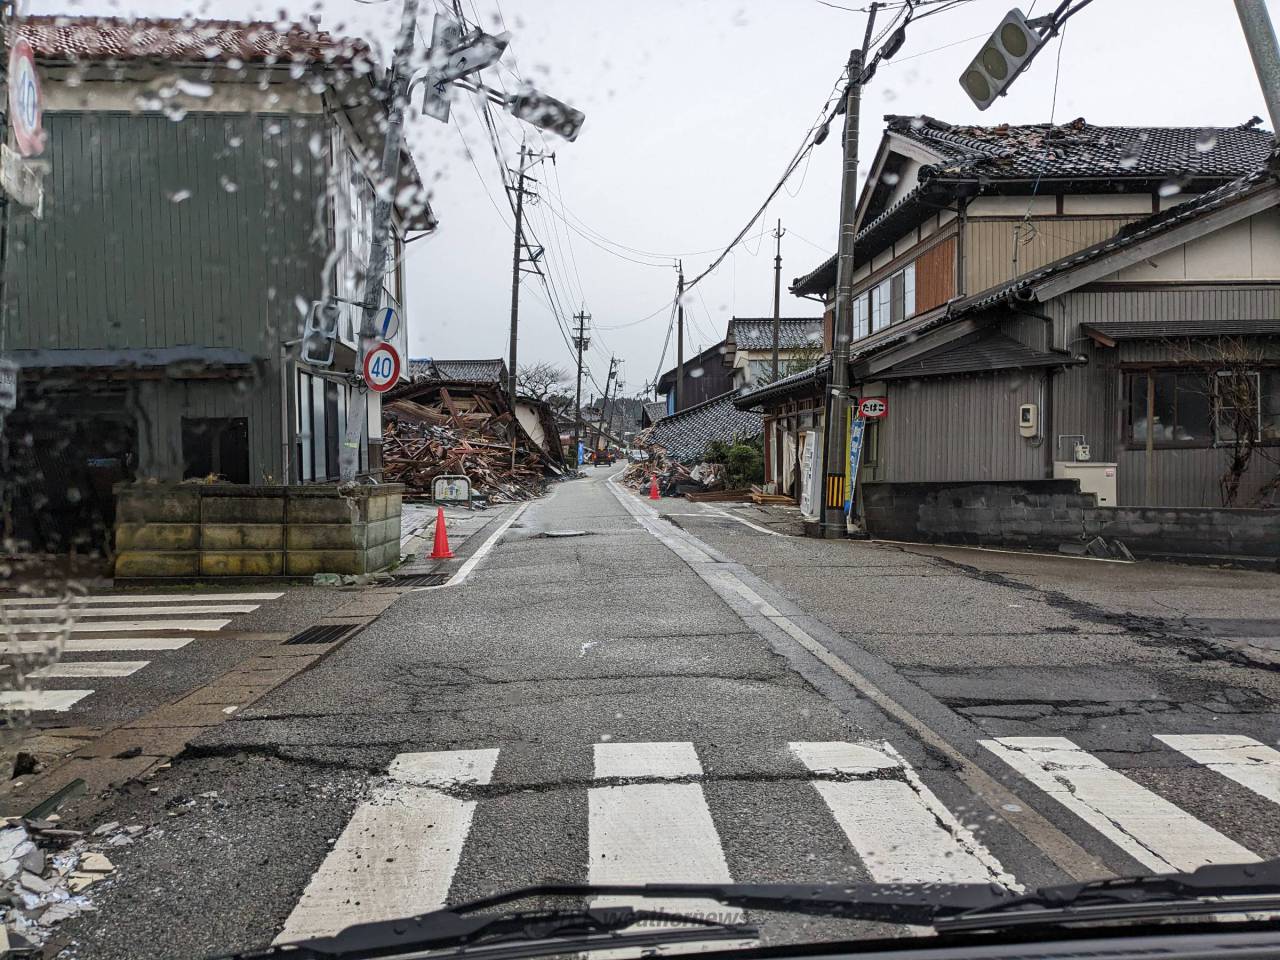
{"type": "Point", "coordinates": [1049, 514]}
{"type": "Point", "coordinates": [233, 530]}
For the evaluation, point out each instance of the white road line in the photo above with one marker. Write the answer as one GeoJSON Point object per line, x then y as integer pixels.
{"type": "Point", "coordinates": [95, 600]}
{"type": "Point", "coordinates": [900, 829]}
{"type": "Point", "coordinates": [654, 832]}
{"type": "Point", "coordinates": [57, 700]}
{"type": "Point", "coordinates": [126, 626]}
{"type": "Point", "coordinates": [744, 521]}
{"type": "Point", "coordinates": [1247, 762]}
{"type": "Point", "coordinates": [94, 645]}
{"type": "Point", "coordinates": [399, 851]}
{"type": "Point", "coordinates": [88, 612]}
{"type": "Point", "coordinates": [91, 668]}
{"type": "Point", "coordinates": [470, 564]}
{"type": "Point", "coordinates": [660, 761]}
{"type": "Point", "coordinates": [1159, 835]}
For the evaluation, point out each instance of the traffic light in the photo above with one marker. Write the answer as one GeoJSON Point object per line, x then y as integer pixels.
{"type": "Point", "coordinates": [320, 333]}
{"type": "Point", "coordinates": [1005, 55]}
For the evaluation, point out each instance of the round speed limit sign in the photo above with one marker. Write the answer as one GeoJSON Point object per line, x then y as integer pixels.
{"type": "Point", "coordinates": [381, 368]}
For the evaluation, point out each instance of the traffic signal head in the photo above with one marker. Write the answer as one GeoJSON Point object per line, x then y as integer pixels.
{"type": "Point", "coordinates": [1005, 54]}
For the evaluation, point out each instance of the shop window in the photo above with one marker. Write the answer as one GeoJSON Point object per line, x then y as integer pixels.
{"type": "Point", "coordinates": [216, 446]}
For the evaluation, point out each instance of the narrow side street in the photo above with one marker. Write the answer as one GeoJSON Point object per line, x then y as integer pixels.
{"type": "Point", "coordinates": [612, 695]}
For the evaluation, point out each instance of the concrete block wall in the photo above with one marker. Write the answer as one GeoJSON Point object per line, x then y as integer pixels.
{"type": "Point", "coordinates": [231, 530]}
{"type": "Point", "coordinates": [1046, 513]}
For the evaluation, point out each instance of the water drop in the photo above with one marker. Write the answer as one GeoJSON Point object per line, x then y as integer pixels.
{"type": "Point", "coordinates": [228, 184]}
{"type": "Point", "coordinates": [1170, 188]}
{"type": "Point", "coordinates": [177, 196]}
{"type": "Point", "coordinates": [195, 88]}
{"type": "Point", "coordinates": [1207, 140]}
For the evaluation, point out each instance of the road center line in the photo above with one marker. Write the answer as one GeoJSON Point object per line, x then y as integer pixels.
{"type": "Point", "coordinates": [1070, 857]}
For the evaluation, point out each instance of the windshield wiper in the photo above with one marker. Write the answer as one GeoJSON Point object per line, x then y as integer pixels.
{"type": "Point", "coordinates": [1211, 889]}
{"type": "Point", "coordinates": [604, 927]}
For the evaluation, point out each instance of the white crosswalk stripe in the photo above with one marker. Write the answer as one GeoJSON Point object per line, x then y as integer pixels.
{"type": "Point", "coordinates": [47, 627]}
{"type": "Point", "coordinates": [900, 829]}
{"type": "Point", "coordinates": [135, 598]}
{"type": "Point", "coordinates": [398, 854]}
{"type": "Point", "coordinates": [653, 832]}
{"type": "Point", "coordinates": [1242, 759]}
{"type": "Point", "coordinates": [1159, 835]}
{"type": "Point", "coordinates": [650, 820]}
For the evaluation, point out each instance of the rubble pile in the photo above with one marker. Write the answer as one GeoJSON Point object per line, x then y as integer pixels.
{"type": "Point", "coordinates": [674, 479]}
{"type": "Point", "coordinates": [422, 441]}
{"type": "Point", "coordinates": [46, 872]}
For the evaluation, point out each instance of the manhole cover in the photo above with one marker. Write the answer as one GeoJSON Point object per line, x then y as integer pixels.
{"type": "Point", "coordinates": [565, 533]}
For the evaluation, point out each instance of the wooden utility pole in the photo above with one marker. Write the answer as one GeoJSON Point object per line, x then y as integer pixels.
{"type": "Point", "coordinates": [604, 403]}
{"type": "Point", "coordinates": [777, 295]}
{"type": "Point", "coordinates": [580, 341]}
{"type": "Point", "coordinates": [834, 523]}
{"type": "Point", "coordinates": [680, 337]}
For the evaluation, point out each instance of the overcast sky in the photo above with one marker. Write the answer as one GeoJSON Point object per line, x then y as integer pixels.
{"type": "Point", "coordinates": [693, 111]}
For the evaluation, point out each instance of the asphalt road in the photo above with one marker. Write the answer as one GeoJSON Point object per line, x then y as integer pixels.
{"type": "Point", "coordinates": [617, 695]}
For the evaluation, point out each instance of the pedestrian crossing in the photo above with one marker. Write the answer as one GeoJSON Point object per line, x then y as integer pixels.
{"type": "Point", "coordinates": [650, 819]}
{"type": "Point", "coordinates": [58, 629]}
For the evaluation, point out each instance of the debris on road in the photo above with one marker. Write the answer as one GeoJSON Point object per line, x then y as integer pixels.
{"type": "Point", "coordinates": [436, 428]}
{"type": "Point", "coordinates": [45, 871]}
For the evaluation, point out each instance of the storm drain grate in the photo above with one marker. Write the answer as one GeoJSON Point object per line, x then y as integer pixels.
{"type": "Point", "coordinates": [423, 580]}
{"type": "Point", "coordinates": [324, 633]}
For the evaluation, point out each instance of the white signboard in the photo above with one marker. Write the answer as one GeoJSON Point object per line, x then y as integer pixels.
{"type": "Point", "coordinates": [808, 446]}
{"type": "Point", "coordinates": [387, 323]}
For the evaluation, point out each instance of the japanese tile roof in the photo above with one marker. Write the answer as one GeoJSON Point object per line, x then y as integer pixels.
{"type": "Point", "coordinates": [997, 158]}
{"type": "Point", "coordinates": [1172, 329]}
{"type": "Point", "coordinates": [81, 38]}
{"type": "Point", "coordinates": [470, 371]}
{"type": "Point", "coordinates": [800, 382]}
{"type": "Point", "coordinates": [1081, 149]}
{"type": "Point", "coordinates": [685, 435]}
{"type": "Point", "coordinates": [655, 410]}
{"type": "Point", "coordinates": [794, 333]}
{"type": "Point", "coordinates": [980, 353]}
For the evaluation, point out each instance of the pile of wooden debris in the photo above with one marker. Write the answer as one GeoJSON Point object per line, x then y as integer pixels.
{"type": "Point", "coordinates": [437, 428]}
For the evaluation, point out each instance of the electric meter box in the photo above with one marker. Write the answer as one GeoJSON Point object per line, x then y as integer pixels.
{"type": "Point", "coordinates": [1096, 478]}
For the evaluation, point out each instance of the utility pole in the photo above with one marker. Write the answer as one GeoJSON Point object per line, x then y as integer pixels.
{"type": "Point", "coordinates": [604, 403]}
{"type": "Point", "coordinates": [580, 341]}
{"type": "Point", "coordinates": [777, 294]}
{"type": "Point", "coordinates": [1261, 37]}
{"type": "Point", "coordinates": [835, 454]}
{"type": "Point", "coordinates": [397, 94]}
{"type": "Point", "coordinates": [680, 336]}
{"type": "Point", "coordinates": [515, 275]}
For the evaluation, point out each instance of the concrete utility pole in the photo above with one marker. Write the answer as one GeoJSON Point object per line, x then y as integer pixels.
{"type": "Point", "coordinates": [397, 90]}
{"type": "Point", "coordinates": [777, 295]}
{"type": "Point", "coordinates": [1261, 37]}
{"type": "Point", "coordinates": [680, 337]}
{"type": "Point", "coordinates": [580, 341]}
{"type": "Point", "coordinates": [835, 454]}
{"type": "Point", "coordinates": [515, 276]}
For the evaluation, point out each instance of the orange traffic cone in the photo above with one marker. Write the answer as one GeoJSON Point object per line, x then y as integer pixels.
{"type": "Point", "coordinates": [653, 488]}
{"type": "Point", "coordinates": [441, 551]}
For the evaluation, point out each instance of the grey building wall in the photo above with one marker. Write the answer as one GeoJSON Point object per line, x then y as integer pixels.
{"type": "Point", "coordinates": [201, 231]}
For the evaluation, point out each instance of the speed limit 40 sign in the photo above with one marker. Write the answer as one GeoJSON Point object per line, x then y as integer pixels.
{"type": "Point", "coordinates": [381, 368]}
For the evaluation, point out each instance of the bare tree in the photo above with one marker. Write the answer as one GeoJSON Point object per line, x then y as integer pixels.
{"type": "Point", "coordinates": [1234, 385]}
{"type": "Point", "coordinates": [539, 380]}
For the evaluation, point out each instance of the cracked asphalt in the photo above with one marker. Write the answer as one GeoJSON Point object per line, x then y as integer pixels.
{"type": "Point", "coordinates": [555, 645]}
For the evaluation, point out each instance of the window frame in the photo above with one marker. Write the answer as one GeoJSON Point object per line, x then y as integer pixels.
{"type": "Point", "coordinates": [1130, 374]}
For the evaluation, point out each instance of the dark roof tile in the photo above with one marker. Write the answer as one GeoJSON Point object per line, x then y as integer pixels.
{"type": "Point", "coordinates": [981, 353]}
{"type": "Point", "coordinates": [471, 371]}
{"type": "Point", "coordinates": [794, 333]}
{"type": "Point", "coordinates": [685, 435]}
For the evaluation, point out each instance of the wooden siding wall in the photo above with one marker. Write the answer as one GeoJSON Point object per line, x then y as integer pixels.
{"type": "Point", "coordinates": [203, 232]}
{"type": "Point", "coordinates": [959, 428]}
{"type": "Point", "coordinates": [936, 275]}
{"type": "Point", "coordinates": [989, 245]}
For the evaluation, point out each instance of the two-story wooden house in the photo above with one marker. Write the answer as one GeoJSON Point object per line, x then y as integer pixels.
{"type": "Point", "coordinates": [206, 182]}
{"type": "Point", "coordinates": [1028, 299]}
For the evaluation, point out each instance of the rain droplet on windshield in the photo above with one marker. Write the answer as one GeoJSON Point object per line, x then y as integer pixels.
{"type": "Point", "coordinates": [1170, 188]}
{"type": "Point", "coordinates": [228, 184]}
{"type": "Point", "coordinates": [177, 196]}
{"type": "Point", "coordinates": [1207, 140]}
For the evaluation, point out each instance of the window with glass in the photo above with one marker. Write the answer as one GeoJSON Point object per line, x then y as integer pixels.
{"type": "Point", "coordinates": [1169, 408]}
{"type": "Point", "coordinates": [892, 300]}
{"type": "Point", "coordinates": [1247, 405]}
